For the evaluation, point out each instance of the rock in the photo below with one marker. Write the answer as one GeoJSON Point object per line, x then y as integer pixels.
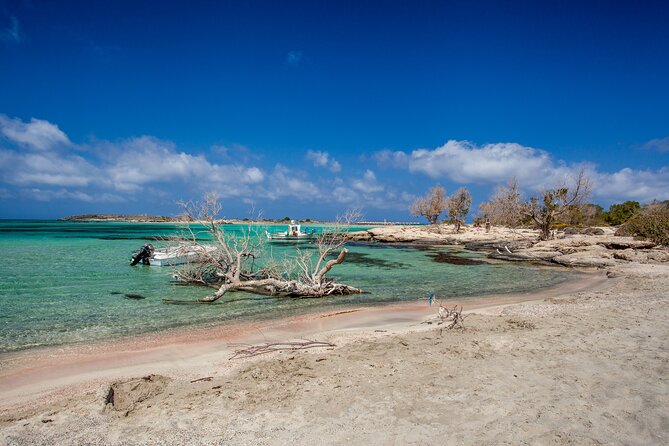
{"type": "Point", "coordinates": [593, 231]}
{"type": "Point", "coordinates": [125, 395]}
{"type": "Point", "coordinates": [627, 242]}
{"type": "Point", "coordinates": [658, 255]}
{"type": "Point", "coordinates": [631, 255]}
{"type": "Point", "coordinates": [134, 296]}
{"type": "Point", "coordinates": [583, 260]}
{"type": "Point", "coordinates": [442, 257]}
{"type": "Point", "coordinates": [612, 274]}
{"type": "Point", "coordinates": [571, 231]}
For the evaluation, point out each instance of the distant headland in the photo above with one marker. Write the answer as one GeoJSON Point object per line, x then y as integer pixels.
{"type": "Point", "coordinates": [123, 217]}
{"type": "Point", "coordinates": [131, 218]}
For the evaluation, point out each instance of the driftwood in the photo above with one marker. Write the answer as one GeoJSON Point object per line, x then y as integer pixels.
{"type": "Point", "coordinates": [262, 349]}
{"type": "Point", "coordinates": [206, 378]}
{"type": "Point", "coordinates": [454, 316]}
{"type": "Point", "coordinates": [231, 265]}
{"type": "Point", "coordinates": [318, 286]}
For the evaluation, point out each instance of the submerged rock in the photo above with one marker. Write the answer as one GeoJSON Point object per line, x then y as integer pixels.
{"type": "Point", "coordinates": [134, 296]}
{"type": "Point", "coordinates": [443, 257]}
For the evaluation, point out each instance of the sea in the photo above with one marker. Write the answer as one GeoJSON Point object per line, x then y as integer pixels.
{"type": "Point", "coordinates": [64, 283]}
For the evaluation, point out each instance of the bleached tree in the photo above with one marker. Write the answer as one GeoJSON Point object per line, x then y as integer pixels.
{"type": "Point", "coordinates": [458, 207]}
{"type": "Point", "coordinates": [239, 262]}
{"type": "Point", "coordinates": [431, 205]}
{"type": "Point", "coordinates": [505, 207]}
{"type": "Point", "coordinates": [556, 203]}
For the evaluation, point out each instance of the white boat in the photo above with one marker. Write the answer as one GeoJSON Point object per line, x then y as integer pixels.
{"type": "Point", "coordinates": [293, 234]}
{"type": "Point", "coordinates": [171, 255]}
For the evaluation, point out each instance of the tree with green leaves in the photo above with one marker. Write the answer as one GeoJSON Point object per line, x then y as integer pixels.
{"type": "Point", "coordinates": [651, 222]}
{"type": "Point", "coordinates": [622, 212]}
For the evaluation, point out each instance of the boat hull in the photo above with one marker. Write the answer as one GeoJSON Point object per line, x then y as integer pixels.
{"type": "Point", "coordinates": [180, 256]}
{"type": "Point", "coordinates": [279, 238]}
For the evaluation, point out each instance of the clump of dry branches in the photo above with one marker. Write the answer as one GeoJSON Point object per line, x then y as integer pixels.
{"type": "Point", "coordinates": [454, 316]}
{"type": "Point", "coordinates": [552, 206]}
{"type": "Point", "coordinates": [458, 207]}
{"type": "Point", "coordinates": [233, 265]}
{"type": "Point", "coordinates": [255, 350]}
{"type": "Point", "coordinates": [431, 205]}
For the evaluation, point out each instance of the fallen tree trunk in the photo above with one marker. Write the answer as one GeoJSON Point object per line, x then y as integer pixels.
{"type": "Point", "coordinates": [272, 286]}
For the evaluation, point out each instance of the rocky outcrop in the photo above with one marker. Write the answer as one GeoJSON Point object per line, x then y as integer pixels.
{"type": "Point", "coordinates": [590, 247]}
{"type": "Point", "coordinates": [444, 234]}
{"type": "Point", "coordinates": [594, 251]}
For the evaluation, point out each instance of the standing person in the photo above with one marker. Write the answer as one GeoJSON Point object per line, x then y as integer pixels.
{"type": "Point", "coordinates": [487, 225]}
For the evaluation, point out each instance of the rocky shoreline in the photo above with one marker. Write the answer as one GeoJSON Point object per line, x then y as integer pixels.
{"type": "Point", "coordinates": [596, 248]}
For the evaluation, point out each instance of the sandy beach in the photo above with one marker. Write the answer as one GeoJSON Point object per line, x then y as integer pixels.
{"type": "Point", "coordinates": [581, 364]}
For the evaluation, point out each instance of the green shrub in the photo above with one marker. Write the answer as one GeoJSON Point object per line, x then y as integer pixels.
{"type": "Point", "coordinates": [651, 223]}
{"type": "Point", "coordinates": [620, 213]}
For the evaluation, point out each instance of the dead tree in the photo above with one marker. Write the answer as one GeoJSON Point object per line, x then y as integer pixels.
{"type": "Point", "coordinates": [505, 206]}
{"type": "Point", "coordinates": [232, 266]}
{"type": "Point", "coordinates": [458, 207]}
{"type": "Point", "coordinates": [556, 203]}
{"type": "Point", "coordinates": [431, 205]}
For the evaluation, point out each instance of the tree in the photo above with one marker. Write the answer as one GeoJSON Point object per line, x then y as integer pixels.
{"type": "Point", "coordinates": [652, 223]}
{"type": "Point", "coordinates": [458, 207]}
{"type": "Point", "coordinates": [593, 214]}
{"type": "Point", "coordinates": [431, 205]}
{"type": "Point", "coordinates": [505, 206]}
{"type": "Point", "coordinates": [620, 213]}
{"type": "Point", "coordinates": [557, 203]}
{"type": "Point", "coordinates": [239, 262]}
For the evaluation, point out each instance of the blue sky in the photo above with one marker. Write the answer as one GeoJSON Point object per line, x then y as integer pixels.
{"type": "Point", "coordinates": [309, 108]}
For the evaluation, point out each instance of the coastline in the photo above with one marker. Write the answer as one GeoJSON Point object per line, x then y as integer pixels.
{"type": "Point", "coordinates": [30, 376]}
{"type": "Point", "coordinates": [583, 362]}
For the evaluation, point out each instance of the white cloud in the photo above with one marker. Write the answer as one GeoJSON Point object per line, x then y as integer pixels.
{"type": "Point", "coordinates": [368, 192]}
{"type": "Point", "coordinates": [658, 145]}
{"type": "Point", "coordinates": [37, 134]}
{"type": "Point", "coordinates": [389, 158]}
{"type": "Point", "coordinates": [12, 34]}
{"type": "Point", "coordinates": [323, 159]}
{"type": "Point", "coordinates": [60, 194]}
{"type": "Point", "coordinates": [293, 58]}
{"type": "Point", "coordinates": [630, 184]}
{"type": "Point", "coordinates": [127, 166]}
{"type": "Point", "coordinates": [368, 183]}
{"type": "Point", "coordinates": [143, 160]}
{"type": "Point", "coordinates": [46, 168]}
{"type": "Point", "coordinates": [285, 182]}
{"type": "Point", "coordinates": [345, 195]}
{"type": "Point", "coordinates": [464, 162]}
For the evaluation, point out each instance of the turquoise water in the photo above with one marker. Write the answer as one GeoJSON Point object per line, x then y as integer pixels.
{"type": "Point", "coordinates": [64, 282]}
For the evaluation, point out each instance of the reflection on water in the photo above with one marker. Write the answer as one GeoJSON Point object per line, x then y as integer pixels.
{"type": "Point", "coordinates": [66, 282]}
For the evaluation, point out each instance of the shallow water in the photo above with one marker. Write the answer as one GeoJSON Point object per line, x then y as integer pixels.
{"type": "Point", "coordinates": [66, 282]}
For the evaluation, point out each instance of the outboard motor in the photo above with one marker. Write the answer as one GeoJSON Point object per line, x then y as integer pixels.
{"type": "Point", "coordinates": [143, 255]}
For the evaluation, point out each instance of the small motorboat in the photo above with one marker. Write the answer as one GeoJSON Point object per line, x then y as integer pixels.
{"type": "Point", "coordinates": [293, 234]}
{"type": "Point", "coordinates": [171, 255]}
